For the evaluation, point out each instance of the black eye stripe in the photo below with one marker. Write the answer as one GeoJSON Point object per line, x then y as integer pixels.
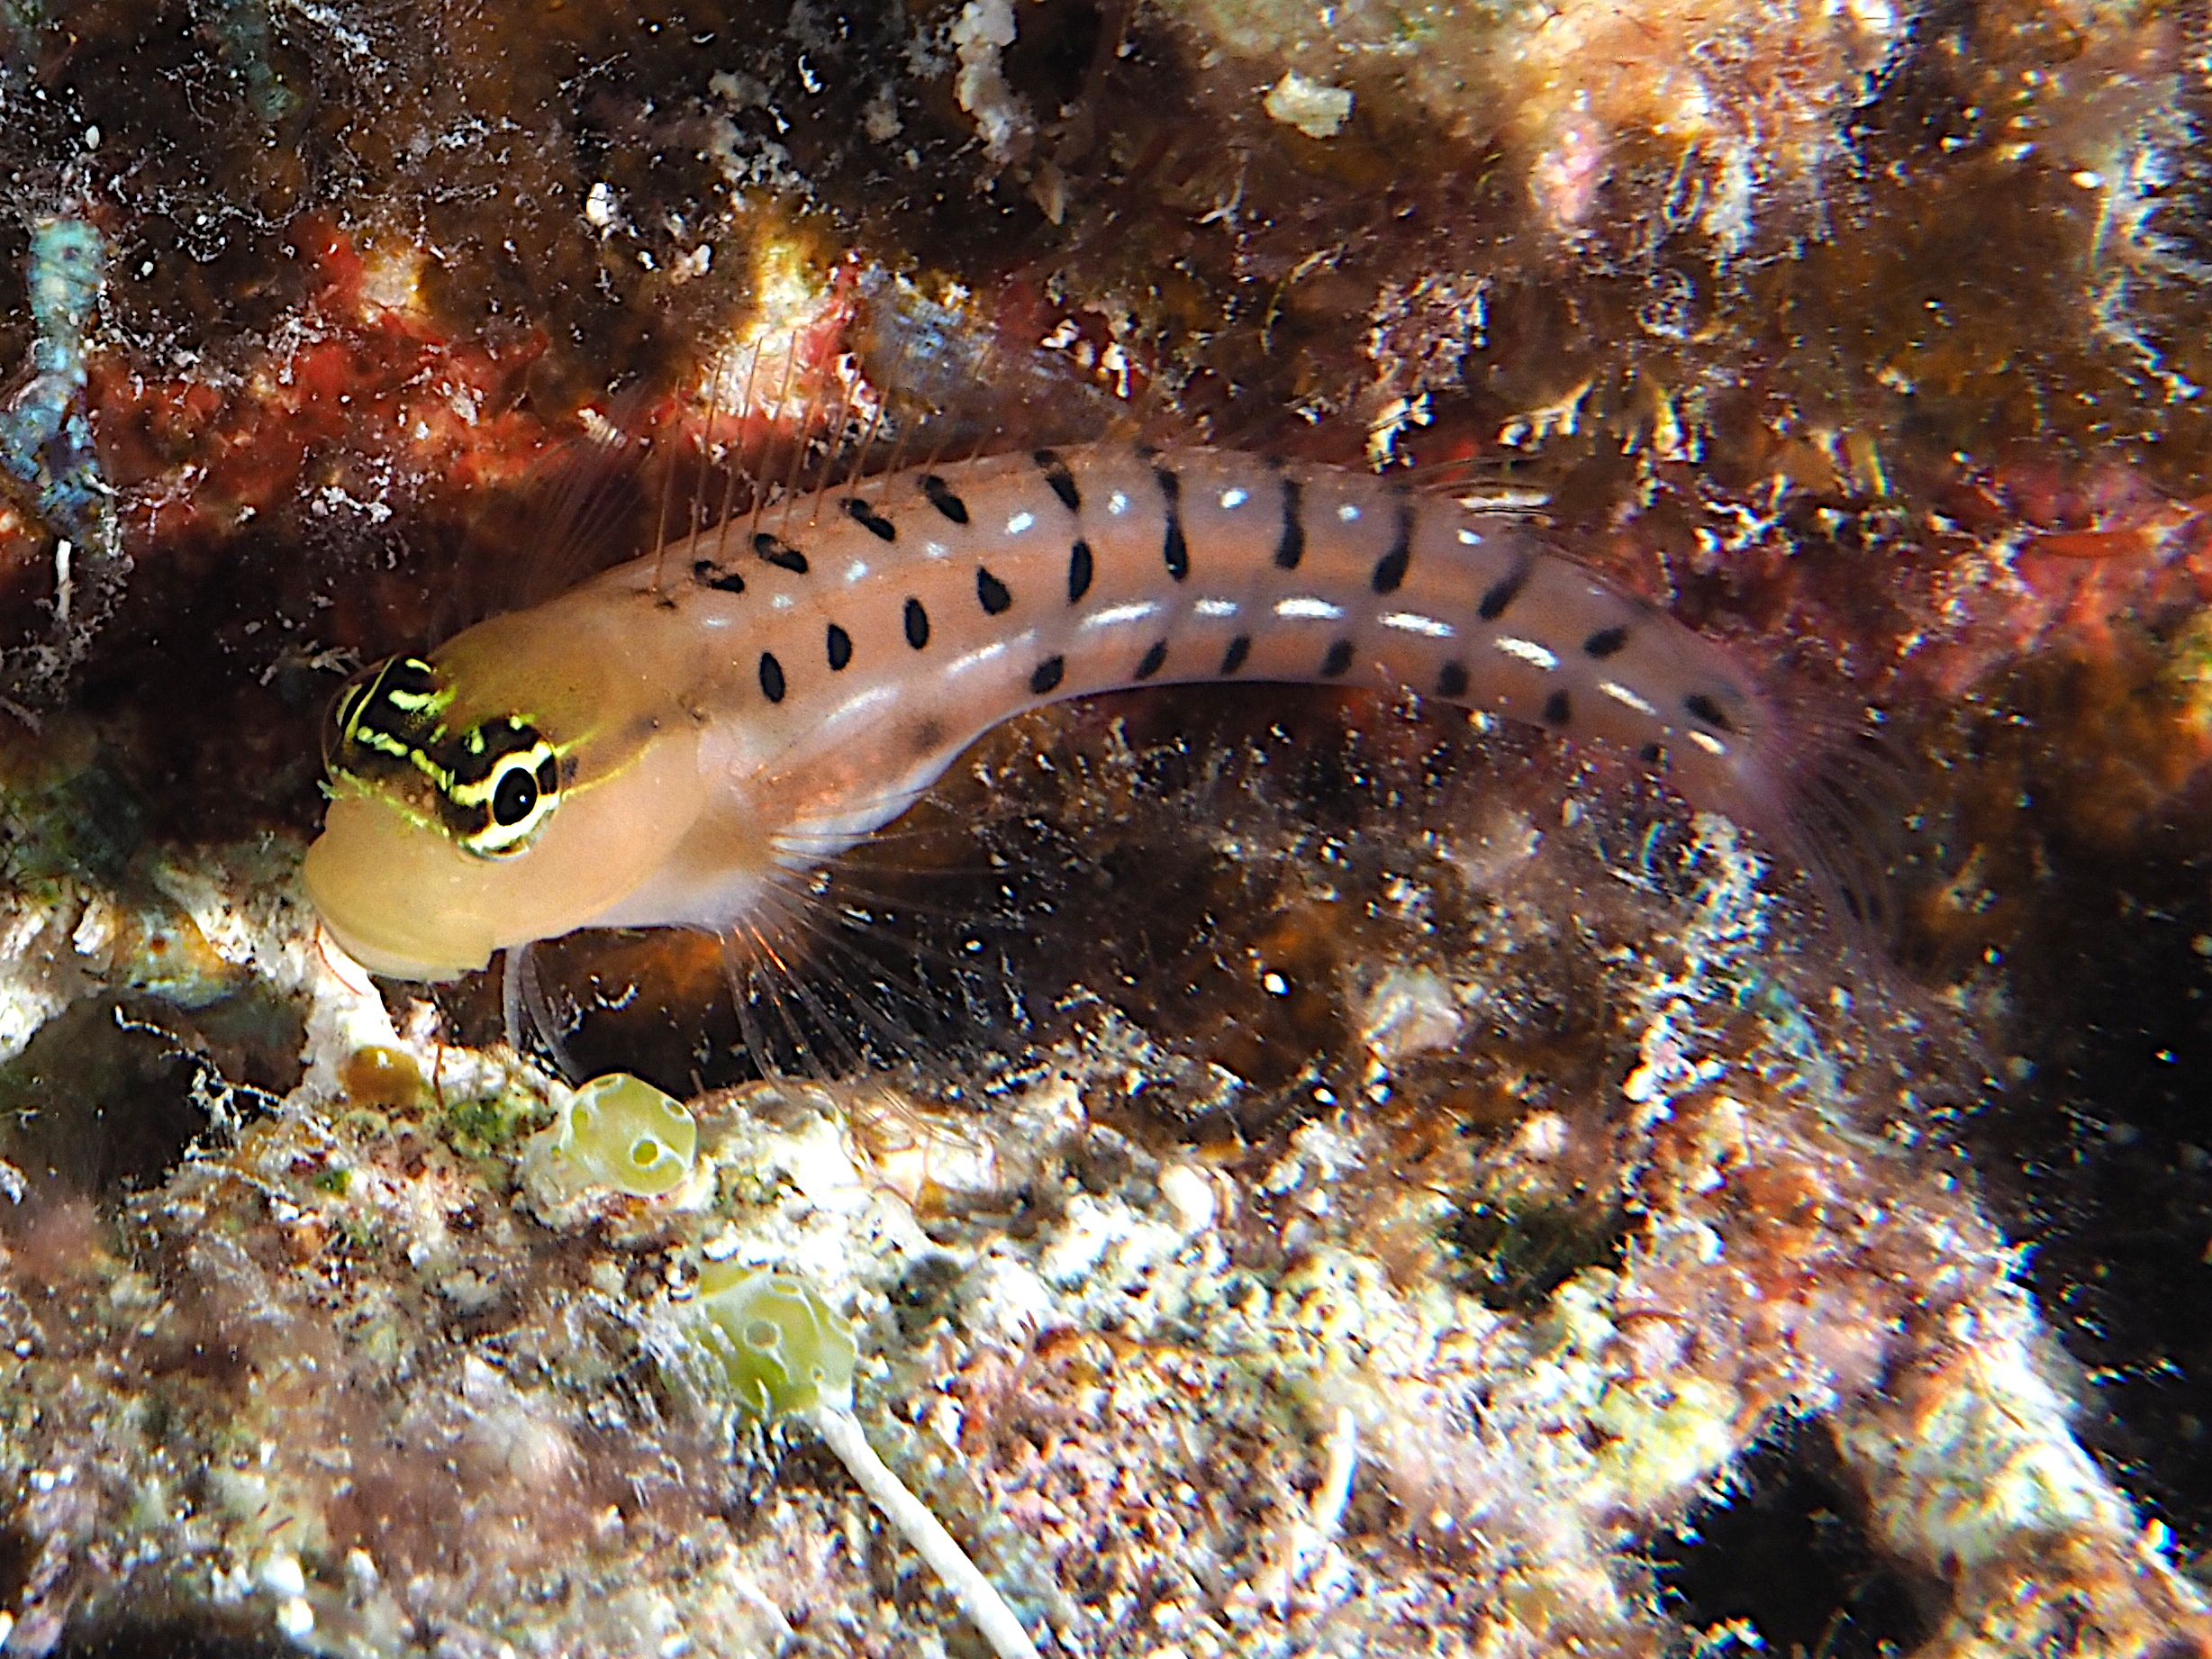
{"type": "Point", "coordinates": [473, 756]}
{"type": "Point", "coordinates": [495, 784]}
{"type": "Point", "coordinates": [407, 675]}
{"type": "Point", "coordinates": [390, 713]}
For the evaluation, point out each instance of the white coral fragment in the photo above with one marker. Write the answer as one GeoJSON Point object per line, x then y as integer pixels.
{"type": "Point", "coordinates": [979, 35]}
{"type": "Point", "coordinates": [1315, 108]}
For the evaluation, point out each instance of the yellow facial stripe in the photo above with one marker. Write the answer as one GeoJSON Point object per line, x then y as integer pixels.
{"type": "Point", "coordinates": [494, 784]}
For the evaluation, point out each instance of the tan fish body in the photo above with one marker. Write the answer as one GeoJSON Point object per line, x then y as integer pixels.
{"type": "Point", "coordinates": [657, 745]}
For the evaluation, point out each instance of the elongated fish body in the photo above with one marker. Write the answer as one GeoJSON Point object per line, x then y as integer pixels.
{"type": "Point", "coordinates": [657, 744]}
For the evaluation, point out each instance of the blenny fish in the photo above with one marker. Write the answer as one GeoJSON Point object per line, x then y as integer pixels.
{"type": "Point", "coordinates": [666, 743]}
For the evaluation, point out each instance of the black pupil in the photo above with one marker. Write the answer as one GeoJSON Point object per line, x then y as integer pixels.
{"type": "Point", "coordinates": [517, 793]}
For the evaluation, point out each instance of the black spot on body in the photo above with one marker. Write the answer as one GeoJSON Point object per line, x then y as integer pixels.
{"type": "Point", "coordinates": [771, 677]}
{"type": "Point", "coordinates": [780, 553]}
{"type": "Point", "coordinates": [1173, 549]}
{"type": "Point", "coordinates": [1503, 591]}
{"type": "Point", "coordinates": [917, 624]}
{"type": "Point", "coordinates": [1338, 659]}
{"type": "Point", "coordinates": [840, 647]}
{"type": "Point", "coordinates": [1155, 658]}
{"type": "Point", "coordinates": [1079, 571]}
{"type": "Point", "coordinates": [1063, 481]}
{"type": "Point", "coordinates": [1048, 675]}
{"type": "Point", "coordinates": [1290, 546]}
{"type": "Point", "coordinates": [871, 520]}
{"type": "Point", "coordinates": [1390, 570]}
{"type": "Point", "coordinates": [991, 592]}
{"type": "Point", "coordinates": [1651, 754]}
{"type": "Point", "coordinates": [1238, 649]}
{"type": "Point", "coordinates": [708, 574]}
{"type": "Point", "coordinates": [1703, 708]}
{"type": "Point", "coordinates": [942, 498]}
{"type": "Point", "coordinates": [1452, 681]}
{"type": "Point", "coordinates": [1558, 710]}
{"type": "Point", "coordinates": [1605, 642]}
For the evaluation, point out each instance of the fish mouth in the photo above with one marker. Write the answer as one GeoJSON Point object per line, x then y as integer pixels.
{"type": "Point", "coordinates": [376, 888]}
{"type": "Point", "coordinates": [398, 964]}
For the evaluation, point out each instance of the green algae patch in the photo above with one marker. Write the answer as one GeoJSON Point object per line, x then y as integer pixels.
{"type": "Point", "coordinates": [490, 1120]}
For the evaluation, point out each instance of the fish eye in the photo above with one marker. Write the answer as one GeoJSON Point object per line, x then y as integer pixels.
{"type": "Point", "coordinates": [506, 782]}
{"type": "Point", "coordinates": [514, 797]}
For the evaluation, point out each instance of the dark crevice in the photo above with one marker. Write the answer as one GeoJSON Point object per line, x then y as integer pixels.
{"type": "Point", "coordinates": [1787, 1555]}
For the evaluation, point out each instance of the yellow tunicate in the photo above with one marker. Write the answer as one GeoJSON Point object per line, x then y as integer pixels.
{"type": "Point", "coordinates": [620, 1131]}
{"type": "Point", "coordinates": [781, 1345]}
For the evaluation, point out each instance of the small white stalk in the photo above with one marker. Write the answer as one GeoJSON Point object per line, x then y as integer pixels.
{"type": "Point", "coordinates": [979, 1600]}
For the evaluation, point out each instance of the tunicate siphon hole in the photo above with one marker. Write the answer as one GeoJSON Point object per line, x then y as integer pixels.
{"type": "Point", "coordinates": [780, 1347]}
